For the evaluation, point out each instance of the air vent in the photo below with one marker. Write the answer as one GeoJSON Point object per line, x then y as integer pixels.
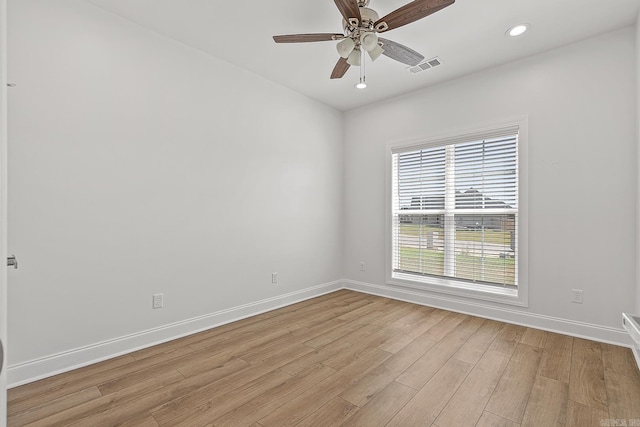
{"type": "Point", "coordinates": [425, 65]}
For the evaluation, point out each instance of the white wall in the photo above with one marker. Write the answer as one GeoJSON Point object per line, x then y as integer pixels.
{"type": "Point", "coordinates": [139, 166]}
{"type": "Point", "coordinates": [582, 163]}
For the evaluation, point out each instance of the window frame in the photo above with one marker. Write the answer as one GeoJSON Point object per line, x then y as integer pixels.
{"type": "Point", "coordinates": [452, 286]}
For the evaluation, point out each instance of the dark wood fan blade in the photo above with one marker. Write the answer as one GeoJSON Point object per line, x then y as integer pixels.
{"type": "Point", "coordinates": [349, 9]}
{"type": "Point", "coordinates": [409, 13]}
{"type": "Point", "coordinates": [305, 38]}
{"type": "Point", "coordinates": [400, 52]}
{"type": "Point", "coordinates": [340, 69]}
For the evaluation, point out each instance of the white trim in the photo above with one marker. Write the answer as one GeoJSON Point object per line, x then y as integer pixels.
{"type": "Point", "coordinates": [630, 324]}
{"type": "Point", "coordinates": [522, 268]}
{"type": "Point", "coordinates": [456, 287]}
{"type": "Point", "coordinates": [485, 131]}
{"type": "Point", "coordinates": [54, 364]}
{"type": "Point", "coordinates": [3, 206]}
{"type": "Point", "coordinates": [33, 370]}
{"type": "Point", "coordinates": [605, 334]}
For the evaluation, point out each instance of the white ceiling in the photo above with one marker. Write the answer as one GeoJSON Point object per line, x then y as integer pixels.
{"type": "Point", "coordinates": [467, 36]}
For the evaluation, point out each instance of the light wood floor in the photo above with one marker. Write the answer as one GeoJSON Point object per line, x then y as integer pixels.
{"type": "Point", "coordinates": [347, 359]}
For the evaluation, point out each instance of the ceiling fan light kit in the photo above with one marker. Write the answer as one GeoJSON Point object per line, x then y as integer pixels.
{"type": "Point", "coordinates": [360, 27]}
{"type": "Point", "coordinates": [345, 47]}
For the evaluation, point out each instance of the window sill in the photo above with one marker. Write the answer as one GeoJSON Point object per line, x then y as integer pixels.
{"type": "Point", "coordinates": [459, 288]}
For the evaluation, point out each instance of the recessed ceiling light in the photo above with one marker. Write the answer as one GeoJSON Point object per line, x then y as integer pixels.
{"type": "Point", "coordinates": [517, 30]}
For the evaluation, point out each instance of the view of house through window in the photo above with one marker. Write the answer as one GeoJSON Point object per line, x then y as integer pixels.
{"type": "Point", "coordinates": [455, 210]}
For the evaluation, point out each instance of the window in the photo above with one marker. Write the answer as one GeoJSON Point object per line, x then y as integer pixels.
{"type": "Point", "coordinates": [456, 214]}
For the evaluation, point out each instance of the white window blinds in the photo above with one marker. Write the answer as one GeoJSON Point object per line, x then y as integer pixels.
{"type": "Point", "coordinates": [455, 208]}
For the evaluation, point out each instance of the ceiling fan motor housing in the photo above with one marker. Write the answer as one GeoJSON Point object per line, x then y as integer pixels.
{"type": "Point", "coordinates": [369, 17]}
{"type": "Point", "coordinates": [359, 35]}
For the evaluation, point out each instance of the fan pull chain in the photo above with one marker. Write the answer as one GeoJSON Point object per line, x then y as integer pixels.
{"type": "Point", "coordinates": [363, 77]}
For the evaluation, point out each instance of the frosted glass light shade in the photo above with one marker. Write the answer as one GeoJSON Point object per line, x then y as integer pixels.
{"type": "Point", "coordinates": [369, 41]}
{"type": "Point", "coordinates": [375, 52]}
{"type": "Point", "coordinates": [345, 47]}
{"type": "Point", "coordinates": [354, 58]}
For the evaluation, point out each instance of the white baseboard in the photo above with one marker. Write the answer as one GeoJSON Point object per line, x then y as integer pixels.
{"type": "Point", "coordinates": [33, 370]}
{"type": "Point", "coordinates": [553, 324]}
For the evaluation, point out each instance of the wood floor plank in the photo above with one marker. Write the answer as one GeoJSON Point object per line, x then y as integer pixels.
{"type": "Point", "coordinates": [67, 383]}
{"type": "Point", "coordinates": [472, 350]}
{"type": "Point", "coordinates": [579, 415]}
{"type": "Point", "coordinates": [379, 410]}
{"type": "Point", "coordinates": [199, 391]}
{"type": "Point", "coordinates": [492, 420]}
{"type": "Point", "coordinates": [556, 357]}
{"type": "Point", "coordinates": [309, 401]}
{"type": "Point", "coordinates": [547, 404]}
{"type": "Point", "coordinates": [619, 360]}
{"type": "Point", "coordinates": [321, 314]}
{"type": "Point", "coordinates": [418, 374]}
{"type": "Point", "coordinates": [307, 360]}
{"type": "Point", "coordinates": [188, 359]}
{"type": "Point", "coordinates": [509, 400]}
{"type": "Point", "coordinates": [369, 385]}
{"type": "Point", "coordinates": [396, 343]}
{"type": "Point", "coordinates": [467, 404]}
{"type": "Point", "coordinates": [424, 324]}
{"type": "Point", "coordinates": [281, 354]}
{"type": "Point", "coordinates": [221, 401]}
{"type": "Point", "coordinates": [364, 314]}
{"type": "Point", "coordinates": [416, 315]}
{"type": "Point", "coordinates": [400, 361]}
{"type": "Point", "coordinates": [587, 385]}
{"type": "Point", "coordinates": [346, 358]}
{"type": "Point", "coordinates": [423, 409]}
{"type": "Point", "coordinates": [258, 333]}
{"type": "Point", "coordinates": [324, 327]}
{"type": "Point", "coordinates": [358, 346]}
{"type": "Point", "coordinates": [230, 330]}
{"type": "Point", "coordinates": [328, 350]}
{"type": "Point", "coordinates": [144, 419]}
{"type": "Point", "coordinates": [392, 314]}
{"type": "Point", "coordinates": [508, 339]}
{"type": "Point", "coordinates": [623, 395]}
{"type": "Point", "coordinates": [333, 413]}
{"type": "Point", "coordinates": [340, 336]}
{"type": "Point", "coordinates": [267, 402]}
{"type": "Point", "coordinates": [448, 323]}
{"type": "Point", "coordinates": [45, 409]}
{"type": "Point", "coordinates": [97, 375]}
{"type": "Point", "coordinates": [534, 337]}
{"type": "Point", "coordinates": [98, 407]}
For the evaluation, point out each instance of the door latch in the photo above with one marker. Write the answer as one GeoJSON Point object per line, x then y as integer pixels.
{"type": "Point", "coordinates": [12, 261]}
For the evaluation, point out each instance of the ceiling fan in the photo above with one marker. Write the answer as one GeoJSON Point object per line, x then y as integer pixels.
{"type": "Point", "coordinates": [361, 26]}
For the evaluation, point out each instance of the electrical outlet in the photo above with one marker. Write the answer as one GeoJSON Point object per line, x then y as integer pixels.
{"type": "Point", "coordinates": [576, 296]}
{"type": "Point", "coordinates": [274, 277]}
{"type": "Point", "coordinates": [158, 300]}
{"type": "Point", "coordinates": [362, 266]}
